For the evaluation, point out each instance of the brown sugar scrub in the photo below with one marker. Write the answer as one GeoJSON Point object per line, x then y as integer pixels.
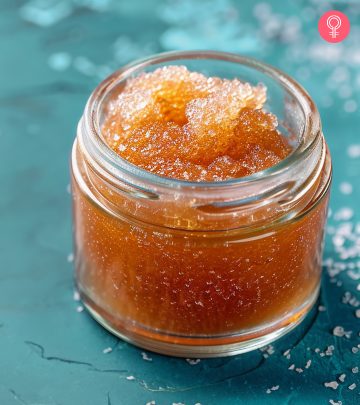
{"type": "Point", "coordinates": [198, 224]}
{"type": "Point", "coordinates": [184, 125]}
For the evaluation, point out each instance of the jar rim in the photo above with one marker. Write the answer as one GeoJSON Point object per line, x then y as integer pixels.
{"type": "Point", "coordinates": [115, 165]}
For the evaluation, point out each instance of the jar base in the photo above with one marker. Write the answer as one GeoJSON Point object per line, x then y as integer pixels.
{"type": "Point", "coordinates": [187, 347]}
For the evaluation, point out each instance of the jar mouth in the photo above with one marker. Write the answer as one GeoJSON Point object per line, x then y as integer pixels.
{"type": "Point", "coordinates": [114, 164]}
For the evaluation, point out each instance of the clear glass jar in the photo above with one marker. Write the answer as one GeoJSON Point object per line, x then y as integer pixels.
{"type": "Point", "coordinates": [201, 269]}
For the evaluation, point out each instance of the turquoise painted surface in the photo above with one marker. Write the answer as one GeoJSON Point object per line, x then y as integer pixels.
{"type": "Point", "coordinates": [53, 53]}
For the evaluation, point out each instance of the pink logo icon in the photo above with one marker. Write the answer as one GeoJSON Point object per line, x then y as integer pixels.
{"type": "Point", "coordinates": [334, 26]}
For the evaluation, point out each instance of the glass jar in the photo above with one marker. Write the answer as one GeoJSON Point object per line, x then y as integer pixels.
{"type": "Point", "coordinates": [201, 269]}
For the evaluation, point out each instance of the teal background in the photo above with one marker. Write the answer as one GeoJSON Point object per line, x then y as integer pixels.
{"type": "Point", "coordinates": [52, 54]}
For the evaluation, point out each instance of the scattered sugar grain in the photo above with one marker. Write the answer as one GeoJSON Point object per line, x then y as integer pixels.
{"type": "Point", "coordinates": [193, 362]}
{"type": "Point", "coordinates": [146, 357]}
{"type": "Point", "coordinates": [130, 377]}
{"type": "Point", "coordinates": [330, 350]}
{"type": "Point", "coordinates": [70, 257]}
{"type": "Point", "coordinates": [292, 367]}
{"type": "Point", "coordinates": [321, 308]}
{"type": "Point", "coordinates": [344, 214]}
{"type": "Point", "coordinates": [79, 308]}
{"type": "Point", "coordinates": [355, 370]}
{"type": "Point", "coordinates": [76, 296]}
{"type": "Point", "coordinates": [45, 13]}
{"type": "Point", "coordinates": [107, 350]}
{"type": "Point", "coordinates": [353, 151]}
{"type": "Point", "coordinates": [352, 386]}
{"type": "Point", "coordinates": [352, 274]}
{"type": "Point", "coordinates": [332, 402]}
{"type": "Point", "coordinates": [274, 388]}
{"type": "Point", "coordinates": [350, 299]}
{"type": "Point", "coordinates": [287, 352]}
{"type": "Point", "coordinates": [346, 188]}
{"type": "Point", "coordinates": [308, 364]}
{"type": "Point", "coordinates": [342, 377]}
{"type": "Point", "coordinates": [331, 384]}
{"type": "Point", "coordinates": [340, 332]}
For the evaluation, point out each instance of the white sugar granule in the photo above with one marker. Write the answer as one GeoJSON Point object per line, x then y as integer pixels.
{"type": "Point", "coordinates": [193, 362]}
{"type": "Point", "coordinates": [269, 349]}
{"type": "Point", "coordinates": [344, 214]}
{"type": "Point", "coordinates": [342, 377]}
{"type": "Point", "coordinates": [353, 151]}
{"type": "Point", "coordinates": [151, 403]}
{"type": "Point", "coordinates": [274, 388]}
{"type": "Point", "coordinates": [357, 313]}
{"type": "Point", "coordinates": [332, 384]}
{"type": "Point", "coordinates": [79, 308]}
{"type": "Point", "coordinates": [146, 357]}
{"type": "Point", "coordinates": [355, 370]}
{"type": "Point", "coordinates": [354, 275]}
{"type": "Point", "coordinates": [286, 353]}
{"type": "Point", "coordinates": [291, 367]}
{"type": "Point", "coordinates": [107, 350]}
{"type": "Point", "coordinates": [332, 402]}
{"type": "Point", "coordinates": [340, 332]}
{"type": "Point", "coordinates": [352, 386]}
{"type": "Point", "coordinates": [350, 299]}
{"type": "Point", "coordinates": [308, 364]}
{"type": "Point", "coordinates": [330, 350]}
{"type": "Point", "coordinates": [321, 308]}
{"type": "Point", "coordinates": [70, 257]}
{"type": "Point", "coordinates": [130, 377]}
{"type": "Point", "coordinates": [76, 296]}
{"type": "Point", "coordinates": [346, 188]}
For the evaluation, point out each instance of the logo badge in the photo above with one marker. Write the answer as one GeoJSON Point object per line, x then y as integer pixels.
{"type": "Point", "coordinates": [334, 26]}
